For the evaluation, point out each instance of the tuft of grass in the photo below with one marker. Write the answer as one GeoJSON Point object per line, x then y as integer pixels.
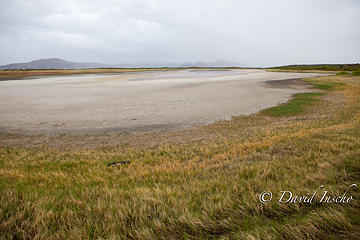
{"type": "Point", "coordinates": [296, 105]}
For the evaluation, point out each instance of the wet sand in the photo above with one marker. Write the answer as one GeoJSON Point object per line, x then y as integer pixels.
{"type": "Point", "coordinates": [140, 101]}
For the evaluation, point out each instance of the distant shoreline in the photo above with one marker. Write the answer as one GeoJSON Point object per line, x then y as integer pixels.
{"type": "Point", "coordinates": [6, 75]}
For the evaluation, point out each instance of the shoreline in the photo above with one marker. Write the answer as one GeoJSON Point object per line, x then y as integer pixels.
{"type": "Point", "coordinates": [18, 74]}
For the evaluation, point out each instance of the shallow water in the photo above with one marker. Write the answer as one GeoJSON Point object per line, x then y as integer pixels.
{"type": "Point", "coordinates": [138, 101]}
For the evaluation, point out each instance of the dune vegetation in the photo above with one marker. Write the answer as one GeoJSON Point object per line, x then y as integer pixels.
{"type": "Point", "coordinates": [197, 183]}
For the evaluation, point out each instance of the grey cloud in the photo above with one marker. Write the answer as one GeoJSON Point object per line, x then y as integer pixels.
{"type": "Point", "coordinates": [252, 33]}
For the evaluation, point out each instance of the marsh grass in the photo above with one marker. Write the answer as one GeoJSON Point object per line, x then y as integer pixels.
{"type": "Point", "coordinates": [198, 183]}
{"type": "Point", "coordinates": [322, 67]}
{"type": "Point", "coordinates": [296, 105]}
{"type": "Point", "coordinates": [342, 73]}
{"type": "Point", "coordinates": [330, 86]}
{"type": "Point", "coordinates": [356, 73]}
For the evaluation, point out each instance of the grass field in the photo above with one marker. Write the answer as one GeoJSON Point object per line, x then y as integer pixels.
{"type": "Point", "coordinates": [198, 183]}
{"type": "Point", "coordinates": [322, 67]}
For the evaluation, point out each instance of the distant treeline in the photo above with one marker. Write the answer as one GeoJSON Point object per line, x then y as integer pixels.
{"type": "Point", "coordinates": [324, 67]}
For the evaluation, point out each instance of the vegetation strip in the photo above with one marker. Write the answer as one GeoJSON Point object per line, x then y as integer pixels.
{"type": "Point", "coordinates": [198, 183]}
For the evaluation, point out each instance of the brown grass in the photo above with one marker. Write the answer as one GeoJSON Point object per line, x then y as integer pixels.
{"type": "Point", "coordinates": [198, 183]}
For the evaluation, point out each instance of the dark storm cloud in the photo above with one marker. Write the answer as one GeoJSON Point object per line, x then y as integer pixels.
{"type": "Point", "coordinates": [253, 33]}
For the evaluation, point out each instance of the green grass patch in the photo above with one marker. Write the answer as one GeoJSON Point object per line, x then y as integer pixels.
{"type": "Point", "coordinates": [330, 86]}
{"type": "Point", "coordinates": [296, 105]}
{"type": "Point", "coordinates": [356, 73]}
{"type": "Point", "coordinates": [342, 73]}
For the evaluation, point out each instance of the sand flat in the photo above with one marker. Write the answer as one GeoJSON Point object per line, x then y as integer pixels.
{"type": "Point", "coordinates": [140, 101]}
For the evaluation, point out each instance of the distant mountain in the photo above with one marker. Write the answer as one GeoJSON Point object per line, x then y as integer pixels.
{"type": "Point", "coordinates": [51, 63]}
{"type": "Point", "coordinates": [57, 63]}
{"type": "Point", "coordinates": [218, 63]}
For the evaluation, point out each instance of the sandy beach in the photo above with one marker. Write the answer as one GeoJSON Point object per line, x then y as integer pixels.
{"type": "Point", "coordinates": [140, 101]}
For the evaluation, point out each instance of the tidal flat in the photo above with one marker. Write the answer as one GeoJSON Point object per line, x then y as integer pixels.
{"type": "Point", "coordinates": [140, 101]}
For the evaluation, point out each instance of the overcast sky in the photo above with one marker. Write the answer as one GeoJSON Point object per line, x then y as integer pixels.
{"type": "Point", "coordinates": [249, 32]}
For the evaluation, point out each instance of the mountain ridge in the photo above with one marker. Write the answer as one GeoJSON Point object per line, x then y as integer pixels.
{"type": "Point", "coordinates": [58, 63]}
{"type": "Point", "coordinates": [50, 63]}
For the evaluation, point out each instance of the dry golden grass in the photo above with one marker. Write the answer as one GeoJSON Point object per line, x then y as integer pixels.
{"type": "Point", "coordinates": [198, 183]}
